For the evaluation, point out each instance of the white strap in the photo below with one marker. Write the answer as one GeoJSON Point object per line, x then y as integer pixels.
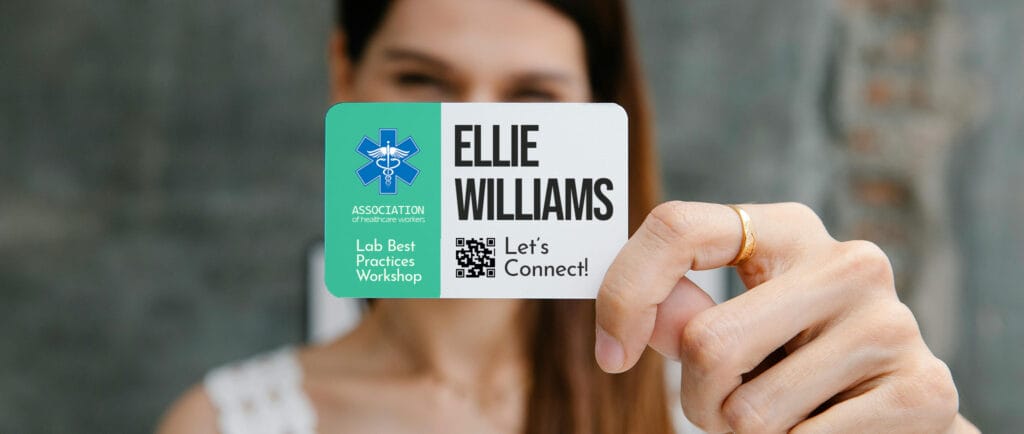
{"type": "Point", "coordinates": [262, 395]}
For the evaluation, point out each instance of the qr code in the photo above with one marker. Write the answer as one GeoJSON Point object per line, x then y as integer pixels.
{"type": "Point", "coordinates": [474, 257]}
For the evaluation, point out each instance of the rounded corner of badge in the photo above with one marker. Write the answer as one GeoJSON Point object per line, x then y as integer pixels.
{"type": "Point", "coordinates": [618, 109]}
{"type": "Point", "coordinates": [336, 109]}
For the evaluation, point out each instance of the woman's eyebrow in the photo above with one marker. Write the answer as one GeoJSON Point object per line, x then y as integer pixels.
{"type": "Point", "coordinates": [415, 56]}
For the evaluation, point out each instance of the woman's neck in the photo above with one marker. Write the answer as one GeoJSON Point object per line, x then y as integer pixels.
{"type": "Point", "coordinates": [467, 342]}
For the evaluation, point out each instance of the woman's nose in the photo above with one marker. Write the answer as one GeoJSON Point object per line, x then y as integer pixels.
{"type": "Point", "coordinates": [481, 93]}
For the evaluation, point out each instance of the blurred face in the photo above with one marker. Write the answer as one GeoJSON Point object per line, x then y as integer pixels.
{"type": "Point", "coordinates": [457, 50]}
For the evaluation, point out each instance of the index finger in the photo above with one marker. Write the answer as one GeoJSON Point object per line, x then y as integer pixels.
{"type": "Point", "coordinates": [677, 237]}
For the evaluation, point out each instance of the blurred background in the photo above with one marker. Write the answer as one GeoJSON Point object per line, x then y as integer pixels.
{"type": "Point", "coordinates": [161, 176]}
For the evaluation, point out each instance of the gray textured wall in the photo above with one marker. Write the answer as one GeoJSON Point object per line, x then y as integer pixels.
{"type": "Point", "coordinates": [988, 212]}
{"type": "Point", "coordinates": [161, 171]}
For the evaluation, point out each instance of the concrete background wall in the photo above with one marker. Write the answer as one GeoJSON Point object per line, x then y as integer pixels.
{"type": "Point", "coordinates": [161, 175]}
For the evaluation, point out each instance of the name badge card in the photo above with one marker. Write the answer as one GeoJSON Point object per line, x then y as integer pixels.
{"type": "Point", "coordinates": [473, 200]}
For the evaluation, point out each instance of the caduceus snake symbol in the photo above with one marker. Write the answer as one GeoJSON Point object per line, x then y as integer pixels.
{"type": "Point", "coordinates": [388, 158]}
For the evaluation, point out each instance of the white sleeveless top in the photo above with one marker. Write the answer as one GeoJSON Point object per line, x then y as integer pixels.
{"type": "Point", "coordinates": [264, 395]}
{"type": "Point", "coordinates": [261, 395]}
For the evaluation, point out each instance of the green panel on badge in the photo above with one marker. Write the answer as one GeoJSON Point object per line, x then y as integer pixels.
{"type": "Point", "coordinates": [382, 212]}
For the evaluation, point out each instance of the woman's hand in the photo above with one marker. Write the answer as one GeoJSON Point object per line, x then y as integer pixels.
{"type": "Point", "coordinates": [819, 343]}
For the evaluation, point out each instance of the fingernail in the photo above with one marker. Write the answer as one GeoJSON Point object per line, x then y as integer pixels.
{"type": "Point", "coordinates": [608, 351]}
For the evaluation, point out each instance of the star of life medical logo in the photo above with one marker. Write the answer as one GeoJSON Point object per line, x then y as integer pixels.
{"type": "Point", "coordinates": [387, 162]}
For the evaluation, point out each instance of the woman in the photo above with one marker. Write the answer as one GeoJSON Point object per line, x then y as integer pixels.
{"type": "Point", "coordinates": [820, 344]}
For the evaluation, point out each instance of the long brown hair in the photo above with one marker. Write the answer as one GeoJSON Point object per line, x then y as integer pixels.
{"type": "Point", "coordinates": [570, 393]}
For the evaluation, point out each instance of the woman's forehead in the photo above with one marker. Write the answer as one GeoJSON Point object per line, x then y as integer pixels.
{"type": "Point", "coordinates": [494, 34]}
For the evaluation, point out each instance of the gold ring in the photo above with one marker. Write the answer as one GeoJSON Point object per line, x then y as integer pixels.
{"type": "Point", "coordinates": [749, 243]}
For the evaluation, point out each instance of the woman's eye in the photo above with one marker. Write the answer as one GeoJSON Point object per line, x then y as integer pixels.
{"type": "Point", "coordinates": [533, 95]}
{"type": "Point", "coordinates": [415, 79]}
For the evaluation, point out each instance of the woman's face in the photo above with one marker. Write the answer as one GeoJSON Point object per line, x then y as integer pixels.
{"type": "Point", "coordinates": [457, 50]}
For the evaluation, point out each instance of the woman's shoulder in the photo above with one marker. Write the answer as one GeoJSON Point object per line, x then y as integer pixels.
{"type": "Point", "coordinates": [260, 394]}
{"type": "Point", "coordinates": [193, 412]}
